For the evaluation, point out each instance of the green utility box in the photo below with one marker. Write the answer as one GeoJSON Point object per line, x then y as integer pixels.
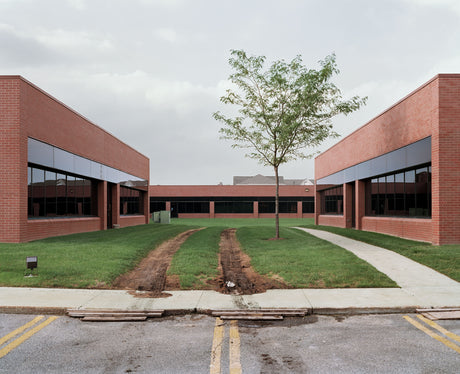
{"type": "Point", "coordinates": [156, 217]}
{"type": "Point", "coordinates": [165, 216]}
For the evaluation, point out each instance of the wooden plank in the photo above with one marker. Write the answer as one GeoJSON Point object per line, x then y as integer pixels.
{"type": "Point", "coordinates": [442, 315]}
{"type": "Point", "coordinates": [429, 310]}
{"type": "Point", "coordinates": [286, 314]}
{"type": "Point", "coordinates": [253, 318]}
{"type": "Point", "coordinates": [89, 312]}
{"type": "Point", "coordinates": [112, 319]}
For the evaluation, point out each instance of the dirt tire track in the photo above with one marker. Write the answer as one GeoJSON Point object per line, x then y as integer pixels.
{"type": "Point", "coordinates": [236, 269]}
{"type": "Point", "coordinates": [150, 274]}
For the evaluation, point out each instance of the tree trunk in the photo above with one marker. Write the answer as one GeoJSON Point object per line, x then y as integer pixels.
{"type": "Point", "coordinates": [277, 214]}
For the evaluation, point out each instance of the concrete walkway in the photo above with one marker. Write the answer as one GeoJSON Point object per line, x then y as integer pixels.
{"type": "Point", "coordinates": [429, 286]}
{"type": "Point", "coordinates": [421, 287]}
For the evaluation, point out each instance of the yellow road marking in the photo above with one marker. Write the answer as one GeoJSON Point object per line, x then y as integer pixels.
{"type": "Point", "coordinates": [439, 328]}
{"type": "Point", "coordinates": [15, 343]}
{"type": "Point", "coordinates": [20, 329]}
{"type": "Point", "coordinates": [235, 364]}
{"type": "Point", "coordinates": [427, 331]}
{"type": "Point", "coordinates": [216, 351]}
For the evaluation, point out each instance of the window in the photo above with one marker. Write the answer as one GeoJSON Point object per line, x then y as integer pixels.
{"type": "Point", "coordinates": [156, 206]}
{"type": "Point", "coordinates": [56, 194]}
{"type": "Point", "coordinates": [233, 207]}
{"type": "Point", "coordinates": [308, 205]}
{"type": "Point", "coordinates": [332, 200]}
{"type": "Point", "coordinates": [130, 201]}
{"type": "Point", "coordinates": [406, 193]}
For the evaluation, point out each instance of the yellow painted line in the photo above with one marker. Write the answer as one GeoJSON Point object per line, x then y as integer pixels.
{"type": "Point", "coordinates": [235, 364]}
{"type": "Point", "coordinates": [427, 331]}
{"type": "Point", "coordinates": [15, 343]}
{"type": "Point", "coordinates": [216, 351]}
{"type": "Point", "coordinates": [20, 329]}
{"type": "Point", "coordinates": [440, 328]}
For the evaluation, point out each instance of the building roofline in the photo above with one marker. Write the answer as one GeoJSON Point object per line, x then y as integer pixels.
{"type": "Point", "coordinates": [20, 77]}
{"type": "Point", "coordinates": [436, 77]}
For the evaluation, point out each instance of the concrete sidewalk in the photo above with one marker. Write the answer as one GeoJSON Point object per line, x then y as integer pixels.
{"type": "Point", "coordinates": [421, 287]}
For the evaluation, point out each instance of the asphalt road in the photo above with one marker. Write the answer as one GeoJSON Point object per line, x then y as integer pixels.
{"type": "Point", "coordinates": [202, 344]}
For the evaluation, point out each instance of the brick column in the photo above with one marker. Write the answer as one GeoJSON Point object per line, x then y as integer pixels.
{"type": "Point", "coordinates": [115, 204]}
{"type": "Point", "coordinates": [299, 209]}
{"type": "Point", "coordinates": [360, 203]}
{"type": "Point", "coordinates": [211, 209]}
{"type": "Point", "coordinates": [146, 201]}
{"type": "Point", "coordinates": [348, 205]}
{"type": "Point", "coordinates": [317, 205]}
{"type": "Point", "coordinates": [102, 203]}
{"type": "Point", "coordinates": [256, 209]}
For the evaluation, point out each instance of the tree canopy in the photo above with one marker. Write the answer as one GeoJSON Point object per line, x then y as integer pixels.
{"type": "Point", "coordinates": [284, 110]}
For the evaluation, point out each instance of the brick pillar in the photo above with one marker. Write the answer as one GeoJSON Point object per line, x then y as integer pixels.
{"type": "Point", "coordinates": [168, 205]}
{"type": "Point", "coordinates": [360, 203]}
{"type": "Point", "coordinates": [348, 204]}
{"type": "Point", "coordinates": [146, 201]}
{"type": "Point", "coordinates": [13, 165]}
{"type": "Point", "coordinates": [299, 209]}
{"type": "Point", "coordinates": [211, 209]}
{"type": "Point", "coordinates": [256, 209]}
{"type": "Point", "coordinates": [317, 205]}
{"type": "Point", "coordinates": [115, 204]}
{"type": "Point", "coordinates": [102, 203]}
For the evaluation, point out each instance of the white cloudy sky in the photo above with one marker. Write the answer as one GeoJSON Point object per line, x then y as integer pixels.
{"type": "Point", "coordinates": [151, 71]}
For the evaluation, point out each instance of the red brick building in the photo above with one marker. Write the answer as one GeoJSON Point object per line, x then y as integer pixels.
{"type": "Point", "coordinates": [233, 201]}
{"type": "Point", "coordinates": [60, 173]}
{"type": "Point", "coordinates": [398, 174]}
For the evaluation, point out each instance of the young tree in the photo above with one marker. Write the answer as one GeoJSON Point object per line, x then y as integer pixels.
{"type": "Point", "coordinates": [284, 110]}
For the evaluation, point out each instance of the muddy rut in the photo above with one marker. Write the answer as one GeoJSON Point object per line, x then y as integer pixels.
{"type": "Point", "coordinates": [150, 274]}
{"type": "Point", "coordinates": [237, 275]}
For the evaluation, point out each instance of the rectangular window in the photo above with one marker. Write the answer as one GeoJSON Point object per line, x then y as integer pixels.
{"type": "Point", "coordinates": [332, 200]}
{"type": "Point", "coordinates": [308, 206]}
{"type": "Point", "coordinates": [233, 207]}
{"type": "Point", "coordinates": [402, 194]}
{"type": "Point", "coordinates": [55, 194]}
{"type": "Point", "coordinates": [130, 201]}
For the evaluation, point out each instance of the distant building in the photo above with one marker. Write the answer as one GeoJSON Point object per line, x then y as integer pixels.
{"type": "Point", "coordinates": [263, 179]}
{"type": "Point", "coordinates": [248, 197]}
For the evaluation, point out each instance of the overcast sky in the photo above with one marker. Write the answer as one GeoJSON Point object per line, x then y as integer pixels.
{"type": "Point", "coordinates": [151, 71]}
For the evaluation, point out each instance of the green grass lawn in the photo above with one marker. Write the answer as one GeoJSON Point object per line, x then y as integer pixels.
{"type": "Point", "coordinates": [444, 259]}
{"type": "Point", "coordinates": [82, 260]}
{"type": "Point", "coordinates": [304, 261]}
{"type": "Point", "coordinates": [240, 222]}
{"type": "Point", "coordinates": [197, 259]}
{"type": "Point", "coordinates": [96, 259]}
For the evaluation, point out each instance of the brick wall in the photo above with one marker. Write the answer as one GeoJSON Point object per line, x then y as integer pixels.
{"type": "Point", "coordinates": [11, 156]}
{"type": "Point", "coordinates": [446, 163]}
{"type": "Point", "coordinates": [431, 110]}
{"type": "Point", "coordinates": [26, 111]}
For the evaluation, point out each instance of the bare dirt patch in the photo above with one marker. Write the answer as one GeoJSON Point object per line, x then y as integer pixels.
{"type": "Point", "coordinates": [237, 275]}
{"type": "Point", "coordinates": [150, 274]}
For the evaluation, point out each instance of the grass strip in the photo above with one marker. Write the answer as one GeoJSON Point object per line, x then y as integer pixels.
{"type": "Point", "coordinates": [304, 261]}
{"type": "Point", "coordinates": [444, 258]}
{"type": "Point", "coordinates": [84, 260]}
{"type": "Point", "coordinates": [197, 259]}
{"type": "Point", "coordinates": [240, 222]}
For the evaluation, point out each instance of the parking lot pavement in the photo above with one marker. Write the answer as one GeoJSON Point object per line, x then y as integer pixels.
{"type": "Point", "coordinates": [203, 344]}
